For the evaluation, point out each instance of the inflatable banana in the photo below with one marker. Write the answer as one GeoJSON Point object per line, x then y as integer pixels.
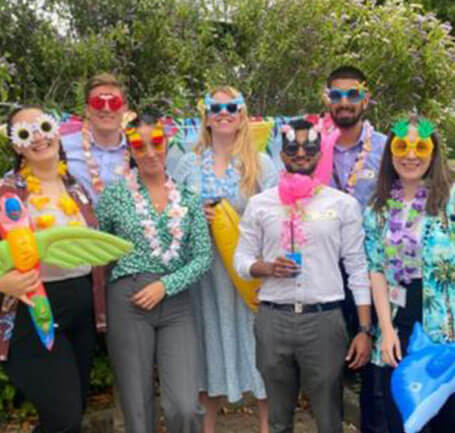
{"type": "Point", "coordinates": [225, 230]}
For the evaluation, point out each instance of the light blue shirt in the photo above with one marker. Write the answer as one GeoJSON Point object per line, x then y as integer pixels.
{"type": "Point", "coordinates": [344, 159]}
{"type": "Point", "coordinates": [109, 160]}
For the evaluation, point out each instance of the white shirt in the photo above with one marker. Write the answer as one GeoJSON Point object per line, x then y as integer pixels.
{"type": "Point", "coordinates": [333, 230]}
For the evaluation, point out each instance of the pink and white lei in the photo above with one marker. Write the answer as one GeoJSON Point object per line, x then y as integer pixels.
{"type": "Point", "coordinates": [176, 212]}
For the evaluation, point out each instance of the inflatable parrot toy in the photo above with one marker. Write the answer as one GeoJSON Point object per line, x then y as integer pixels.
{"type": "Point", "coordinates": [68, 247]}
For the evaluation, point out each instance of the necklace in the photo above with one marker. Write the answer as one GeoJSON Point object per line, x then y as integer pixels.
{"type": "Point", "coordinates": [401, 239]}
{"type": "Point", "coordinates": [40, 201]}
{"type": "Point", "coordinates": [359, 162]}
{"type": "Point", "coordinates": [176, 213]}
{"type": "Point", "coordinates": [92, 166]}
{"type": "Point", "coordinates": [212, 187]}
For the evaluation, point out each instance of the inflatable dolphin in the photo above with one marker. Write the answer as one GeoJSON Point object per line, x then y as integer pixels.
{"type": "Point", "coordinates": [424, 380]}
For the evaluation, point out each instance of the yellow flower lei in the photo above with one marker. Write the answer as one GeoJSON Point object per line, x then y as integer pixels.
{"type": "Point", "coordinates": [65, 202]}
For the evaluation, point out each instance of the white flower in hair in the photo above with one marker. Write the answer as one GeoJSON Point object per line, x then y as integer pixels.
{"type": "Point", "coordinates": [312, 135]}
{"type": "Point", "coordinates": [290, 135]}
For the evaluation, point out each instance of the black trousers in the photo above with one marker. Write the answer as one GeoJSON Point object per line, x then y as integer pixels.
{"type": "Point", "coordinates": [404, 321]}
{"type": "Point", "coordinates": [372, 410]}
{"type": "Point", "coordinates": [56, 381]}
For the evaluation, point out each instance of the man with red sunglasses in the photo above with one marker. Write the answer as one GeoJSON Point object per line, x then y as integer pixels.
{"type": "Point", "coordinates": [97, 155]}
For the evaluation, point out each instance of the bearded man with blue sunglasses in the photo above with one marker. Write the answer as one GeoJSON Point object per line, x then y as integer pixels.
{"type": "Point", "coordinates": [356, 159]}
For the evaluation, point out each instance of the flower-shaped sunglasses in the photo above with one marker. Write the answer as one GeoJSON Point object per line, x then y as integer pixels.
{"type": "Point", "coordinates": [22, 132]}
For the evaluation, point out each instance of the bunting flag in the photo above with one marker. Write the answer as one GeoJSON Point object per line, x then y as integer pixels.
{"type": "Point", "coordinates": [183, 134]}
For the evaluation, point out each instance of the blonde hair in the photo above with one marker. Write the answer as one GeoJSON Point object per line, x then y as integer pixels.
{"type": "Point", "coordinates": [244, 148]}
{"type": "Point", "coordinates": [103, 79]}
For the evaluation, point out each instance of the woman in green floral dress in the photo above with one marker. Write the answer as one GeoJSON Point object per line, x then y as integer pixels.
{"type": "Point", "coordinates": [149, 313]}
{"type": "Point", "coordinates": [409, 242]}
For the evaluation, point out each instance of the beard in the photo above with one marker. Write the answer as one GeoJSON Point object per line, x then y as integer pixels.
{"type": "Point", "coordinates": [307, 171]}
{"type": "Point", "coordinates": [346, 122]}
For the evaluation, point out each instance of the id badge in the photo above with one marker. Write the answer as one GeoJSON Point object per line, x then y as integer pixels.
{"type": "Point", "coordinates": [397, 296]}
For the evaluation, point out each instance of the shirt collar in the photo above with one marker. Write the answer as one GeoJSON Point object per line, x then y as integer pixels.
{"type": "Point", "coordinates": [357, 146]}
{"type": "Point", "coordinates": [123, 143]}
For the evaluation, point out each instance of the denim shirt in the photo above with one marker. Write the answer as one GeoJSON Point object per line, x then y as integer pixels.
{"type": "Point", "coordinates": [344, 160]}
{"type": "Point", "coordinates": [109, 161]}
{"type": "Point", "coordinates": [438, 270]}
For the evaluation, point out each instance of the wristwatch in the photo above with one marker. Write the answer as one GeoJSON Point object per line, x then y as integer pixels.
{"type": "Point", "coordinates": [367, 329]}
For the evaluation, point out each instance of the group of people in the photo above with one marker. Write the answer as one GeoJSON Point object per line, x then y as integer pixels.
{"type": "Point", "coordinates": [367, 213]}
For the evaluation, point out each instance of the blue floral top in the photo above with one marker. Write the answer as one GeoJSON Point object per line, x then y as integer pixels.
{"type": "Point", "coordinates": [437, 245]}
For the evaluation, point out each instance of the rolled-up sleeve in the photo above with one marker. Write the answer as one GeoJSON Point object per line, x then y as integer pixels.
{"type": "Point", "coordinates": [249, 247]}
{"type": "Point", "coordinates": [353, 253]}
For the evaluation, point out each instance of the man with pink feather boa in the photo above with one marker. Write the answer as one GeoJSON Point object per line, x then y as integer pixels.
{"type": "Point", "coordinates": [292, 237]}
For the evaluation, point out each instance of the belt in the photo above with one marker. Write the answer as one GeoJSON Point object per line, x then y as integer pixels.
{"type": "Point", "coordinates": [298, 307]}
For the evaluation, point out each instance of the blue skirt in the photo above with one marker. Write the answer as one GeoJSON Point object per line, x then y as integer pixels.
{"type": "Point", "coordinates": [224, 326]}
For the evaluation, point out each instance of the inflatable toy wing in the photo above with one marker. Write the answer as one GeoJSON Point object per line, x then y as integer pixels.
{"type": "Point", "coordinates": [23, 249]}
{"type": "Point", "coordinates": [6, 261]}
{"type": "Point", "coordinates": [69, 247]}
{"type": "Point", "coordinates": [424, 380]}
{"type": "Point", "coordinates": [225, 230]}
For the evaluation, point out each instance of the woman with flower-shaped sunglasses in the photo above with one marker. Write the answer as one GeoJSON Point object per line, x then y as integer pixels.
{"type": "Point", "coordinates": [54, 378]}
{"type": "Point", "coordinates": [225, 165]}
{"type": "Point", "coordinates": [409, 239]}
{"type": "Point", "coordinates": [149, 310]}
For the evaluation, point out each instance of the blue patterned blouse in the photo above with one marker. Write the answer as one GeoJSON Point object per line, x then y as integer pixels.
{"type": "Point", "coordinates": [437, 245]}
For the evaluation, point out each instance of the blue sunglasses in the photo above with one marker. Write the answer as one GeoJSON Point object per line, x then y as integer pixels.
{"type": "Point", "coordinates": [353, 95]}
{"type": "Point", "coordinates": [230, 107]}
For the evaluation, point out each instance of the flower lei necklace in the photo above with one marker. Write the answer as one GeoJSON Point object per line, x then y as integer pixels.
{"type": "Point", "coordinates": [176, 213]}
{"type": "Point", "coordinates": [401, 239]}
{"type": "Point", "coordinates": [361, 158]}
{"type": "Point", "coordinates": [93, 169]}
{"type": "Point", "coordinates": [38, 200]}
{"type": "Point", "coordinates": [212, 187]}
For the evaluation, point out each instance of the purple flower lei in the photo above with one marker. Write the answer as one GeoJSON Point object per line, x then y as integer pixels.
{"type": "Point", "coordinates": [401, 241]}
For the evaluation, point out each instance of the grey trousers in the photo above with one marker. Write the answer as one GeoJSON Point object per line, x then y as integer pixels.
{"type": "Point", "coordinates": [137, 337]}
{"type": "Point", "coordinates": [308, 350]}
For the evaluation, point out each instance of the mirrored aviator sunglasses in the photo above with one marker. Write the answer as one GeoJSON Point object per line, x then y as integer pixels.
{"type": "Point", "coordinates": [353, 95]}
{"type": "Point", "coordinates": [229, 107]}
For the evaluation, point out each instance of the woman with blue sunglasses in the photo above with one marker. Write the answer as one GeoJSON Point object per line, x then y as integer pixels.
{"type": "Point", "coordinates": [225, 165]}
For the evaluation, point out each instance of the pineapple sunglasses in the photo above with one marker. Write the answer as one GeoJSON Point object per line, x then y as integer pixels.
{"type": "Point", "coordinates": [423, 148]}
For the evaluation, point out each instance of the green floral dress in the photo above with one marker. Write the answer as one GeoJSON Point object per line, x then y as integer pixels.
{"type": "Point", "coordinates": [116, 214]}
{"type": "Point", "coordinates": [437, 245]}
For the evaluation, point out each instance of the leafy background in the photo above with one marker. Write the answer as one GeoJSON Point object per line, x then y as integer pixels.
{"type": "Point", "coordinates": [277, 52]}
